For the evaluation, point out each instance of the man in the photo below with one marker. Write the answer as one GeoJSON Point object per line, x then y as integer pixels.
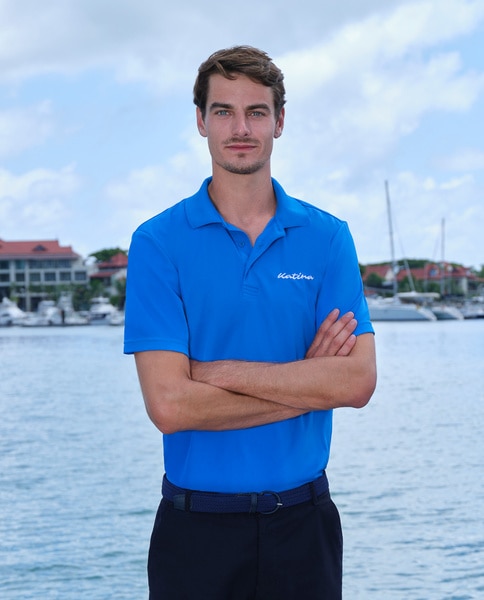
{"type": "Point", "coordinates": [247, 318]}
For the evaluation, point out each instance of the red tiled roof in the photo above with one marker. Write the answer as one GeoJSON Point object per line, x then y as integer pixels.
{"type": "Point", "coordinates": [118, 261]}
{"type": "Point", "coordinates": [431, 272]}
{"type": "Point", "coordinates": [35, 249]}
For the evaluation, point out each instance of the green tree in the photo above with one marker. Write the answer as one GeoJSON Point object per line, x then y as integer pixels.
{"type": "Point", "coordinates": [107, 253]}
{"type": "Point", "coordinates": [119, 298]}
{"type": "Point", "coordinates": [374, 280]}
{"type": "Point", "coordinates": [81, 297]}
{"type": "Point", "coordinates": [416, 263]}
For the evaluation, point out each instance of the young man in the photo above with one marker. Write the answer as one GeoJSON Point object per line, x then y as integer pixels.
{"type": "Point", "coordinates": [246, 315]}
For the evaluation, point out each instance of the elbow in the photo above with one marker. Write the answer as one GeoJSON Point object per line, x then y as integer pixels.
{"type": "Point", "coordinates": [362, 377]}
{"type": "Point", "coordinates": [363, 389]}
{"type": "Point", "coordinates": [164, 423]}
{"type": "Point", "coordinates": [164, 412]}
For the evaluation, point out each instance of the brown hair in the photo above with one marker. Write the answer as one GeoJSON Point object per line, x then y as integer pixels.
{"type": "Point", "coordinates": [244, 60]}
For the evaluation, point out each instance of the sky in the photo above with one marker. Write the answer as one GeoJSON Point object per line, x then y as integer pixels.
{"type": "Point", "coordinates": [98, 132]}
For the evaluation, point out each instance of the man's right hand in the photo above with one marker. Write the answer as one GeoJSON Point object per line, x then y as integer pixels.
{"type": "Point", "coordinates": [335, 336]}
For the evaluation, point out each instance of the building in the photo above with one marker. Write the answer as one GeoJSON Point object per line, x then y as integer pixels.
{"type": "Point", "coordinates": [445, 278]}
{"type": "Point", "coordinates": [111, 271]}
{"type": "Point", "coordinates": [31, 270]}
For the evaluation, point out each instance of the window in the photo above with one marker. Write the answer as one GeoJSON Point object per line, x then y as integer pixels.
{"type": "Point", "coordinates": [19, 277]}
{"type": "Point", "coordinates": [65, 276]}
{"type": "Point", "coordinates": [4, 277]}
{"type": "Point", "coordinates": [34, 277]}
{"type": "Point", "coordinates": [4, 264]}
{"type": "Point", "coordinates": [20, 265]}
{"type": "Point", "coordinates": [80, 276]}
{"type": "Point", "coordinates": [49, 276]}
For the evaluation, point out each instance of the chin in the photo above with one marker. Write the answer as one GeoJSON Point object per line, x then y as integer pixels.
{"type": "Point", "coordinates": [243, 169]}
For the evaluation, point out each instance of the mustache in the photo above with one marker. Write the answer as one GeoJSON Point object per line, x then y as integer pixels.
{"type": "Point", "coordinates": [240, 141]}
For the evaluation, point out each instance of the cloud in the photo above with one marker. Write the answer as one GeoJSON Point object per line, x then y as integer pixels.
{"type": "Point", "coordinates": [419, 204]}
{"type": "Point", "coordinates": [150, 41]}
{"type": "Point", "coordinates": [148, 191]}
{"type": "Point", "coordinates": [373, 86]}
{"type": "Point", "coordinates": [371, 83]}
{"type": "Point", "coordinates": [465, 160]}
{"type": "Point", "coordinates": [382, 38]}
{"type": "Point", "coordinates": [36, 203]}
{"type": "Point", "coordinates": [23, 128]}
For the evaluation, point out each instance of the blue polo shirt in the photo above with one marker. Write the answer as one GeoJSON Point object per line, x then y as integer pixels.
{"type": "Point", "coordinates": [196, 285]}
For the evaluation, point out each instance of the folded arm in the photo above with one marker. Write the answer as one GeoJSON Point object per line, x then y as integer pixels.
{"type": "Point", "coordinates": [316, 383]}
{"type": "Point", "coordinates": [175, 402]}
{"type": "Point", "coordinates": [181, 395]}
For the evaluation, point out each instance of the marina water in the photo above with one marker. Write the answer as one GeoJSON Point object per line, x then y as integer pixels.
{"type": "Point", "coordinates": [81, 467]}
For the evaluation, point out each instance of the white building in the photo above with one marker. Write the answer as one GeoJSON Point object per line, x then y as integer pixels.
{"type": "Point", "coordinates": [29, 270]}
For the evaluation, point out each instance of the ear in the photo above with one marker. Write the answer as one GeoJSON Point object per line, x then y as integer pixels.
{"type": "Point", "coordinates": [201, 123]}
{"type": "Point", "coordinates": [279, 124]}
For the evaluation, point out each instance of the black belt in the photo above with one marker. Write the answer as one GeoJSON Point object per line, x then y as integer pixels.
{"type": "Point", "coordinates": [266, 502]}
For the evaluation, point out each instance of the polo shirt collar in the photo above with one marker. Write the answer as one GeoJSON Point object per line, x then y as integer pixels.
{"type": "Point", "coordinates": [200, 210]}
{"type": "Point", "coordinates": [290, 212]}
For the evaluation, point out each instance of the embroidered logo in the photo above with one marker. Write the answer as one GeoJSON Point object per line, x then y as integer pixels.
{"type": "Point", "coordinates": [294, 276]}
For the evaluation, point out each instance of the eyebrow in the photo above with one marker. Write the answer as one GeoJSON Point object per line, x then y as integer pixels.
{"type": "Point", "coordinates": [261, 105]}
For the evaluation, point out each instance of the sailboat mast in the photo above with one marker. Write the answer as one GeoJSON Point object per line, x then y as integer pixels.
{"type": "Point", "coordinates": [442, 266]}
{"type": "Point", "coordinates": [392, 247]}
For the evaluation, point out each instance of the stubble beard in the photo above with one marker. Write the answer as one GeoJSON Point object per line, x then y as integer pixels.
{"type": "Point", "coordinates": [243, 169]}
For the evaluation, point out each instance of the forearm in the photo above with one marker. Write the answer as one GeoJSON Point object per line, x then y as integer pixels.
{"type": "Point", "coordinates": [318, 383]}
{"type": "Point", "coordinates": [177, 402]}
{"type": "Point", "coordinates": [208, 408]}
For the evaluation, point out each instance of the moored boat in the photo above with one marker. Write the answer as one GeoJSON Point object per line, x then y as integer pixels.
{"type": "Point", "coordinates": [101, 311]}
{"type": "Point", "coordinates": [445, 312]}
{"type": "Point", "coordinates": [473, 309]}
{"type": "Point", "coordinates": [393, 309]}
{"type": "Point", "coordinates": [10, 313]}
{"type": "Point", "coordinates": [49, 313]}
{"type": "Point", "coordinates": [431, 300]}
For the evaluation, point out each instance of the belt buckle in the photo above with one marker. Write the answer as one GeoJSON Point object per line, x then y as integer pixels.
{"type": "Point", "coordinates": [277, 499]}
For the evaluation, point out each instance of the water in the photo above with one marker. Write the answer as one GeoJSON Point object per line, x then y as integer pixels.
{"type": "Point", "coordinates": [407, 471]}
{"type": "Point", "coordinates": [80, 467]}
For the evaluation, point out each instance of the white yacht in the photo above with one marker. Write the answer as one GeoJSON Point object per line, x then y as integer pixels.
{"type": "Point", "coordinates": [444, 312]}
{"type": "Point", "coordinates": [10, 313]}
{"type": "Point", "coordinates": [393, 309]}
{"type": "Point", "coordinates": [101, 311]}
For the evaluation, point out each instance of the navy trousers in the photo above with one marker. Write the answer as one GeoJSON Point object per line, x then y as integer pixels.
{"type": "Point", "coordinates": [293, 554]}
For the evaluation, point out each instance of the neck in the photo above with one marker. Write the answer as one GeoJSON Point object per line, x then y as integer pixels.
{"type": "Point", "coordinates": [246, 201]}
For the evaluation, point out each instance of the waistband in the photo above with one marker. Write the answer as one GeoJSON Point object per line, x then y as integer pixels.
{"type": "Point", "coordinates": [266, 502]}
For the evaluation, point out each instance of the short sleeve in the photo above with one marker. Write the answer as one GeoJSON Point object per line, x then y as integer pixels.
{"type": "Point", "coordinates": [342, 285]}
{"type": "Point", "coordinates": [154, 313]}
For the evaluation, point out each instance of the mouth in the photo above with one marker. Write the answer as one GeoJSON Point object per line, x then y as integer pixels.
{"type": "Point", "coordinates": [241, 145]}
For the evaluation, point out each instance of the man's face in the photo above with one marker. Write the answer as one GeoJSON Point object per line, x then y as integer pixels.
{"type": "Point", "coordinates": [240, 124]}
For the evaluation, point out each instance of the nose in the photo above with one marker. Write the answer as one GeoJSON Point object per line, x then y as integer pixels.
{"type": "Point", "coordinates": [241, 125]}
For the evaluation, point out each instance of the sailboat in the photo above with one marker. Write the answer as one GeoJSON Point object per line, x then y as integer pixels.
{"type": "Point", "coordinates": [399, 307]}
{"type": "Point", "coordinates": [441, 310]}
